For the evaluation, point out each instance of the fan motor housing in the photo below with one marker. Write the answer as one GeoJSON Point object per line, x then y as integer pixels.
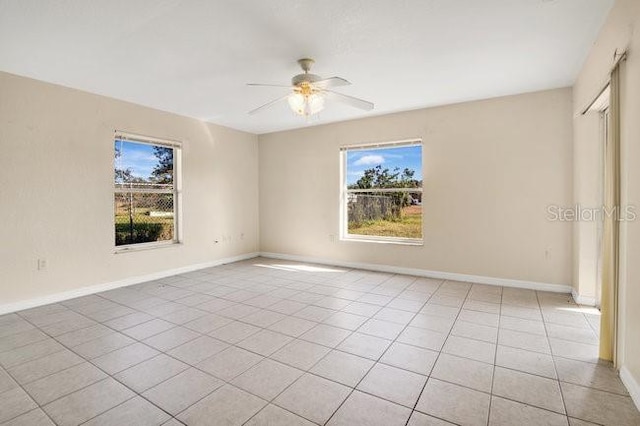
{"type": "Point", "coordinates": [305, 78]}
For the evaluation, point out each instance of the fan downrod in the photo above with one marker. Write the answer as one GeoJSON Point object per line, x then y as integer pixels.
{"type": "Point", "coordinates": [306, 78]}
{"type": "Point", "coordinates": [306, 63]}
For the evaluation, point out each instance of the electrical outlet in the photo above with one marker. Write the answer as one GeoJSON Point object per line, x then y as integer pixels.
{"type": "Point", "coordinates": [332, 238]}
{"type": "Point", "coordinates": [42, 264]}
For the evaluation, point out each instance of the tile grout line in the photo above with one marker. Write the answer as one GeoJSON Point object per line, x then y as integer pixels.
{"type": "Point", "coordinates": [240, 320]}
{"type": "Point", "coordinates": [495, 359]}
{"type": "Point", "coordinates": [375, 361]}
{"type": "Point", "coordinates": [387, 348]}
{"type": "Point", "coordinates": [38, 406]}
{"type": "Point", "coordinates": [335, 348]}
{"type": "Point", "coordinates": [109, 376]}
{"type": "Point", "coordinates": [230, 384]}
{"type": "Point", "coordinates": [75, 390]}
{"type": "Point", "coordinates": [438, 356]}
{"type": "Point", "coordinates": [544, 323]}
{"type": "Point", "coordinates": [308, 372]}
{"type": "Point", "coordinates": [254, 325]}
{"type": "Point", "coordinates": [196, 367]}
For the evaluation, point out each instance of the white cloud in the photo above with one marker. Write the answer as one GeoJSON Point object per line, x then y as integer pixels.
{"type": "Point", "coordinates": [369, 160]}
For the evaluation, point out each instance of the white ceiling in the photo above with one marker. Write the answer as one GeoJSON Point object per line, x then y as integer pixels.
{"type": "Point", "coordinates": [194, 57]}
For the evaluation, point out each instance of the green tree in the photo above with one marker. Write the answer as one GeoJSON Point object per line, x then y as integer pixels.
{"type": "Point", "coordinates": [121, 175]}
{"type": "Point", "coordinates": [163, 171]}
{"type": "Point", "coordinates": [163, 174]}
{"type": "Point", "coordinates": [377, 177]}
{"type": "Point", "coordinates": [386, 205]}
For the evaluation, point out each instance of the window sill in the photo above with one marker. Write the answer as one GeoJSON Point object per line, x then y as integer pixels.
{"type": "Point", "coordinates": [378, 240]}
{"type": "Point", "coordinates": [146, 246]}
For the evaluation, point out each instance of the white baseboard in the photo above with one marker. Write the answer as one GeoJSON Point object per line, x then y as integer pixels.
{"type": "Point", "coordinates": [505, 282]}
{"type": "Point", "coordinates": [583, 300]}
{"type": "Point", "coordinates": [85, 291]}
{"type": "Point", "coordinates": [633, 387]}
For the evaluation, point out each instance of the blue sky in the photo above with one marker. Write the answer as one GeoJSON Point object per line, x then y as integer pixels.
{"type": "Point", "coordinates": [138, 157]}
{"type": "Point", "coordinates": [402, 157]}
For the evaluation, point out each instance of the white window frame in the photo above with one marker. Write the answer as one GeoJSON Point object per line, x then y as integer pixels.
{"type": "Point", "coordinates": [176, 192]}
{"type": "Point", "coordinates": [344, 193]}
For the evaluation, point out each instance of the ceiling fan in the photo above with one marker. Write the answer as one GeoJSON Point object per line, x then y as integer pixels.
{"type": "Point", "coordinates": [309, 92]}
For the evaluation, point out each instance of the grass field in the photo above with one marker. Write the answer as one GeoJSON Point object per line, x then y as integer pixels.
{"type": "Point", "coordinates": [409, 226]}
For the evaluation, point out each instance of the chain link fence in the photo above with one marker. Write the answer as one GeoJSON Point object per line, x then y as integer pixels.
{"type": "Point", "coordinates": [363, 207]}
{"type": "Point", "coordinates": [142, 217]}
{"type": "Point", "coordinates": [369, 206]}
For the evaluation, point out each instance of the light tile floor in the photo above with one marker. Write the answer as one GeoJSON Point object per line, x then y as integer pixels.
{"type": "Point", "coordinates": [267, 342]}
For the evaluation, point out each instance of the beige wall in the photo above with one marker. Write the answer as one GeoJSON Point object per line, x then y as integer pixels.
{"type": "Point", "coordinates": [56, 189]}
{"type": "Point", "coordinates": [491, 169]}
{"type": "Point", "coordinates": [621, 31]}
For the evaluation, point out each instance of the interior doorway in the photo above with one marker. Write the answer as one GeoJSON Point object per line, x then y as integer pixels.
{"type": "Point", "coordinates": [607, 224]}
{"type": "Point", "coordinates": [601, 107]}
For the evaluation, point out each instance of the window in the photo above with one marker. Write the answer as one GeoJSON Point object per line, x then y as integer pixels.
{"type": "Point", "coordinates": [146, 191]}
{"type": "Point", "coordinates": [382, 192]}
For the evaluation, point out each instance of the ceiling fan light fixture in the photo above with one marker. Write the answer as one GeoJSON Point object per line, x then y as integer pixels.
{"type": "Point", "coordinates": [306, 105]}
{"type": "Point", "coordinates": [309, 92]}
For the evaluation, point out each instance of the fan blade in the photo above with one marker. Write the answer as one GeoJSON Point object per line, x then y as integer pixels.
{"type": "Point", "coordinates": [350, 100]}
{"type": "Point", "coordinates": [267, 105]}
{"type": "Point", "coordinates": [331, 82]}
{"type": "Point", "coordinates": [268, 85]}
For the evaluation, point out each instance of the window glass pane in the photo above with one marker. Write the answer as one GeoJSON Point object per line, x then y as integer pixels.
{"type": "Point", "coordinates": [386, 214]}
{"type": "Point", "coordinates": [144, 193]}
{"type": "Point", "coordinates": [385, 167]}
{"type": "Point", "coordinates": [143, 163]}
{"type": "Point", "coordinates": [143, 217]}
